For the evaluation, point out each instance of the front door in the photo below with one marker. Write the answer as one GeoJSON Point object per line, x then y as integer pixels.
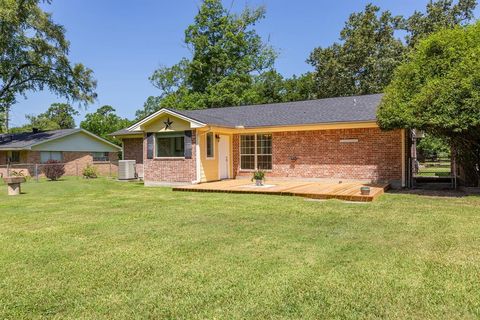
{"type": "Point", "coordinates": [223, 157]}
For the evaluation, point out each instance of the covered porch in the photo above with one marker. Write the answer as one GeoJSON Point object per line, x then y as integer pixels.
{"type": "Point", "coordinates": [347, 191]}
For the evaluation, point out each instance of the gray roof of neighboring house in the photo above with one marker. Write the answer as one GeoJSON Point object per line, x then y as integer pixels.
{"type": "Point", "coordinates": [329, 110]}
{"type": "Point", "coordinates": [25, 140]}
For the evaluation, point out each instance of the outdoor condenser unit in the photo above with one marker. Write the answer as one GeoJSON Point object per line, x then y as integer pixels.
{"type": "Point", "coordinates": [126, 169]}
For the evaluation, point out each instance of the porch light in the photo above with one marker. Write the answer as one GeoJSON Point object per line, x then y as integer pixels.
{"type": "Point", "coordinates": [239, 127]}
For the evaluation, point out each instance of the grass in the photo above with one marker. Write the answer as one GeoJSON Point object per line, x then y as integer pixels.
{"type": "Point", "coordinates": [435, 171]}
{"type": "Point", "coordinates": [102, 249]}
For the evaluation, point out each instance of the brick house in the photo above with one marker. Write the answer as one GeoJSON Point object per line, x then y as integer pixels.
{"type": "Point", "coordinates": [325, 139]}
{"type": "Point", "coordinates": [76, 148]}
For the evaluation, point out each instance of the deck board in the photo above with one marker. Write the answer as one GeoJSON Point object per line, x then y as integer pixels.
{"type": "Point", "coordinates": [349, 191]}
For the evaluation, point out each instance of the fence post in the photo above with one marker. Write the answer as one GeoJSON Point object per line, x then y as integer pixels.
{"type": "Point", "coordinates": [110, 169]}
{"type": "Point", "coordinates": [36, 172]}
{"type": "Point", "coordinates": [76, 168]}
{"type": "Point", "coordinates": [8, 169]}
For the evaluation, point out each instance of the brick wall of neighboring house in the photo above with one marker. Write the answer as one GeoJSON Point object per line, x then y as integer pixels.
{"type": "Point", "coordinates": [377, 156]}
{"type": "Point", "coordinates": [169, 170]}
{"type": "Point", "coordinates": [75, 162]}
{"type": "Point", "coordinates": [133, 150]}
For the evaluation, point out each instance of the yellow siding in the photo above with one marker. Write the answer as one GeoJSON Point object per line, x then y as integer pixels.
{"type": "Point", "coordinates": [209, 167]}
{"type": "Point", "coordinates": [158, 125]}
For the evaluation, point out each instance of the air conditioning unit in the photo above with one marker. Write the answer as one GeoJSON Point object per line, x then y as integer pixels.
{"type": "Point", "coordinates": [126, 169]}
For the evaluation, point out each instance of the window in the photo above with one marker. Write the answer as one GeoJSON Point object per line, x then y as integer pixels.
{"type": "Point", "coordinates": [170, 145]}
{"type": "Point", "coordinates": [210, 144]}
{"type": "Point", "coordinates": [256, 152]}
{"type": "Point", "coordinates": [50, 155]}
{"type": "Point", "coordinates": [13, 157]}
{"type": "Point", "coordinates": [100, 156]}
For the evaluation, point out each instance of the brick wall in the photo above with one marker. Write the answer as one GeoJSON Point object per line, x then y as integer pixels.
{"type": "Point", "coordinates": [169, 170]}
{"type": "Point", "coordinates": [377, 155]}
{"type": "Point", "coordinates": [75, 162]}
{"type": "Point", "coordinates": [133, 150]}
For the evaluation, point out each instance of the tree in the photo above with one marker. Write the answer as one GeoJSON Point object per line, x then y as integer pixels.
{"type": "Point", "coordinates": [37, 122]}
{"type": "Point", "coordinates": [364, 62]}
{"type": "Point", "coordinates": [103, 122]}
{"type": "Point", "coordinates": [441, 14]}
{"type": "Point", "coordinates": [150, 106]}
{"type": "Point", "coordinates": [34, 56]}
{"type": "Point", "coordinates": [227, 54]}
{"type": "Point", "coordinates": [369, 51]}
{"type": "Point", "coordinates": [438, 90]}
{"type": "Point", "coordinates": [62, 114]}
{"type": "Point", "coordinates": [57, 116]}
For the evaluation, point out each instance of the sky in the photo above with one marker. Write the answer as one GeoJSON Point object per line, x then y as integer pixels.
{"type": "Point", "coordinates": [123, 42]}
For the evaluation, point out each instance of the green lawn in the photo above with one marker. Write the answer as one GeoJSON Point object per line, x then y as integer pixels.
{"type": "Point", "coordinates": [104, 249]}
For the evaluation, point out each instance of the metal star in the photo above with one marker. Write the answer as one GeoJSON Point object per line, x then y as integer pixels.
{"type": "Point", "coordinates": [168, 123]}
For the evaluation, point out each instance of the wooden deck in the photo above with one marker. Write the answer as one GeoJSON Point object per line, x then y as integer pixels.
{"type": "Point", "coordinates": [347, 191]}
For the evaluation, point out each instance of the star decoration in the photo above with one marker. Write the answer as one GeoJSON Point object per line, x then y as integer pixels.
{"type": "Point", "coordinates": [168, 123]}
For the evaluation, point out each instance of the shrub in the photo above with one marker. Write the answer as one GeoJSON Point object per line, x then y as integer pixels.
{"type": "Point", "coordinates": [53, 169]}
{"type": "Point", "coordinates": [90, 172]}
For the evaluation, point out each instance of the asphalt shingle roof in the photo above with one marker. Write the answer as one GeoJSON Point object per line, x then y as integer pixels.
{"type": "Point", "coordinates": [331, 110]}
{"type": "Point", "coordinates": [25, 140]}
{"type": "Point", "coordinates": [342, 109]}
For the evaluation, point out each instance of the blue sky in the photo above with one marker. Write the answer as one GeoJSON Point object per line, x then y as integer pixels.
{"type": "Point", "coordinates": [125, 43]}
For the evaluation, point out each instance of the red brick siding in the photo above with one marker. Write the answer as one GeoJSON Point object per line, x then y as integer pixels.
{"type": "Point", "coordinates": [376, 156]}
{"type": "Point", "coordinates": [133, 150]}
{"type": "Point", "coordinates": [169, 170]}
{"type": "Point", "coordinates": [75, 162]}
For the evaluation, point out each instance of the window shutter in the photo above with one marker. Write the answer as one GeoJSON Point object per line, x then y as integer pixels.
{"type": "Point", "coordinates": [188, 144]}
{"type": "Point", "coordinates": [150, 145]}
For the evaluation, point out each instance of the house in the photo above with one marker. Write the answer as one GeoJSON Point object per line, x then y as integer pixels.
{"type": "Point", "coordinates": [74, 147]}
{"type": "Point", "coordinates": [331, 139]}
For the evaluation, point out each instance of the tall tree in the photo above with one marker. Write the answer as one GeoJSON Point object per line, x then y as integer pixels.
{"type": "Point", "coordinates": [440, 14]}
{"type": "Point", "coordinates": [62, 114]}
{"type": "Point", "coordinates": [364, 60]}
{"type": "Point", "coordinates": [57, 116]}
{"type": "Point", "coordinates": [438, 90]}
{"type": "Point", "coordinates": [103, 122]}
{"type": "Point", "coordinates": [369, 50]}
{"type": "Point", "coordinates": [227, 53]}
{"type": "Point", "coordinates": [34, 55]}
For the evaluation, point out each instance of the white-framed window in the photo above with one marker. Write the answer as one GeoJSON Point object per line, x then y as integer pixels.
{"type": "Point", "coordinates": [13, 157]}
{"type": "Point", "coordinates": [100, 156]}
{"type": "Point", "coordinates": [50, 155]}
{"type": "Point", "coordinates": [256, 151]}
{"type": "Point", "coordinates": [170, 145]}
{"type": "Point", "coordinates": [210, 145]}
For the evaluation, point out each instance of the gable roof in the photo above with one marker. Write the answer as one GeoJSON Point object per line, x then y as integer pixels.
{"type": "Point", "coordinates": [26, 140]}
{"type": "Point", "coordinates": [330, 110]}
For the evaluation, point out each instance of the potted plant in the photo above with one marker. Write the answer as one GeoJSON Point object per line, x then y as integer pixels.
{"type": "Point", "coordinates": [259, 177]}
{"type": "Point", "coordinates": [364, 191]}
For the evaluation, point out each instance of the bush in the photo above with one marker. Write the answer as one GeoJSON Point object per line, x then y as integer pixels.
{"type": "Point", "coordinates": [90, 172]}
{"type": "Point", "coordinates": [53, 169]}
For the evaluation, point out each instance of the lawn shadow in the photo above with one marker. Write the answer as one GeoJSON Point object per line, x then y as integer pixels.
{"type": "Point", "coordinates": [443, 193]}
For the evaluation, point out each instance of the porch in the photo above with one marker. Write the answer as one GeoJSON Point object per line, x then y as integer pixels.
{"type": "Point", "coordinates": [347, 191]}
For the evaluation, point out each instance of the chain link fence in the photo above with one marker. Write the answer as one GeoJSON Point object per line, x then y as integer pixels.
{"type": "Point", "coordinates": [35, 171]}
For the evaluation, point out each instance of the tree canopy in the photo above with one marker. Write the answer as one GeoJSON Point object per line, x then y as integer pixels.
{"type": "Point", "coordinates": [57, 116]}
{"type": "Point", "coordinates": [104, 121]}
{"type": "Point", "coordinates": [370, 48]}
{"type": "Point", "coordinates": [34, 56]}
{"type": "Point", "coordinates": [438, 90]}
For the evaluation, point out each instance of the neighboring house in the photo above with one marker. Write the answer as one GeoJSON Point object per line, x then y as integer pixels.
{"type": "Point", "coordinates": [335, 138]}
{"type": "Point", "coordinates": [74, 147]}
